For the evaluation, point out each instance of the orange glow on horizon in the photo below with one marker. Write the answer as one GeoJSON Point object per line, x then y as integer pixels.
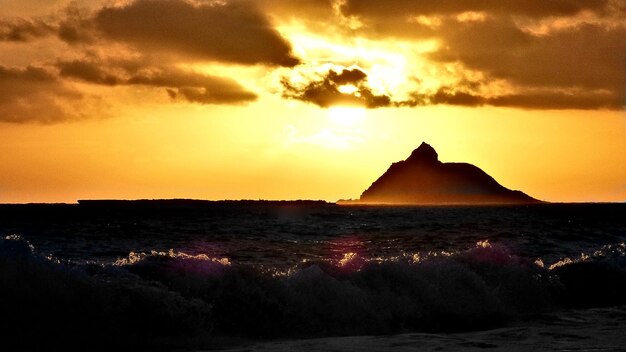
{"type": "Point", "coordinates": [311, 107]}
{"type": "Point", "coordinates": [153, 155]}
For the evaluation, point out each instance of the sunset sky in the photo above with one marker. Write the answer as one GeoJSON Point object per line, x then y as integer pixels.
{"type": "Point", "coordinates": [307, 99]}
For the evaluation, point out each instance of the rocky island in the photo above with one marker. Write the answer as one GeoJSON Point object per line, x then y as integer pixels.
{"type": "Point", "coordinates": [422, 179]}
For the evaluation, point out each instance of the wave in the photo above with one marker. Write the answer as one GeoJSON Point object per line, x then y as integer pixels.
{"type": "Point", "coordinates": [46, 302]}
{"type": "Point", "coordinates": [162, 298]}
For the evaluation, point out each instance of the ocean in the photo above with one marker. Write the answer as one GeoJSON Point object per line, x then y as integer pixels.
{"type": "Point", "coordinates": [287, 276]}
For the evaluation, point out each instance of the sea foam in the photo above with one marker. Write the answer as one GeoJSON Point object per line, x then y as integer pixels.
{"type": "Point", "coordinates": [171, 294]}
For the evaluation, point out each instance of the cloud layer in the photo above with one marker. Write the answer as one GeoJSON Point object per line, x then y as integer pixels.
{"type": "Point", "coordinates": [180, 84]}
{"type": "Point", "coordinates": [533, 8]}
{"type": "Point", "coordinates": [533, 54]}
{"type": "Point", "coordinates": [563, 54]}
{"type": "Point", "coordinates": [230, 32]}
{"type": "Point", "coordinates": [34, 94]}
{"type": "Point", "coordinates": [141, 42]}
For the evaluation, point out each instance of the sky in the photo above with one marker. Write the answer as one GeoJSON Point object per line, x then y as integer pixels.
{"type": "Point", "coordinates": [307, 99]}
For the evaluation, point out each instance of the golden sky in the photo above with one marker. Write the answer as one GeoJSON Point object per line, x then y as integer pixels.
{"type": "Point", "coordinates": [292, 99]}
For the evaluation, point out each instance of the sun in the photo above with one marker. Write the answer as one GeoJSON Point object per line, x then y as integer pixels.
{"type": "Point", "coordinates": [347, 115]}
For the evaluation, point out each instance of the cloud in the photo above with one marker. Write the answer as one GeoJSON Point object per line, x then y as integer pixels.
{"type": "Point", "coordinates": [299, 9]}
{"type": "Point", "coordinates": [583, 100]}
{"type": "Point", "coordinates": [538, 49]}
{"type": "Point", "coordinates": [224, 31]}
{"type": "Point", "coordinates": [141, 43]}
{"type": "Point", "coordinates": [36, 94]}
{"type": "Point", "coordinates": [532, 8]}
{"type": "Point", "coordinates": [33, 94]}
{"type": "Point", "coordinates": [233, 31]}
{"type": "Point", "coordinates": [88, 71]}
{"type": "Point", "coordinates": [179, 84]}
{"type": "Point", "coordinates": [346, 76]}
{"type": "Point", "coordinates": [560, 100]}
{"type": "Point", "coordinates": [327, 90]}
{"type": "Point", "coordinates": [587, 56]}
{"type": "Point", "coordinates": [211, 94]}
{"type": "Point", "coordinates": [75, 25]}
{"type": "Point", "coordinates": [195, 87]}
{"type": "Point", "coordinates": [559, 54]}
{"type": "Point", "coordinates": [23, 30]}
{"type": "Point", "coordinates": [72, 25]}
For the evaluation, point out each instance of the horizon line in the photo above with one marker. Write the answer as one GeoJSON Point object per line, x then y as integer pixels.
{"type": "Point", "coordinates": [341, 202]}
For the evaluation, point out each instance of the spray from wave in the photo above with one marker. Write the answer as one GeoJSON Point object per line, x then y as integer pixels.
{"type": "Point", "coordinates": [163, 298]}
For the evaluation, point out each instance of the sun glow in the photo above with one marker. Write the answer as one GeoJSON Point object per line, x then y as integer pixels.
{"type": "Point", "coordinates": [387, 64]}
{"type": "Point", "coordinates": [347, 115]}
{"type": "Point", "coordinates": [348, 89]}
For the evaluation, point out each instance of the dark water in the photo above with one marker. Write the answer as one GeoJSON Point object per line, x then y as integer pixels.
{"type": "Point", "coordinates": [195, 275]}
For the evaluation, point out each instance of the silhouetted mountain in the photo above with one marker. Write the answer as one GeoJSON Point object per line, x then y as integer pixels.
{"type": "Point", "coordinates": [423, 179]}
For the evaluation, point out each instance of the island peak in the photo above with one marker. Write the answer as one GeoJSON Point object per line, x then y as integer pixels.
{"type": "Point", "coordinates": [425, 153]}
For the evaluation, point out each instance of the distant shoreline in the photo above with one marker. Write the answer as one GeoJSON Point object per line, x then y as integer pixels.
{"type": "Point", "coordinates": [177, 202]}
{"type": "Point", "coordinates": [181, 202]}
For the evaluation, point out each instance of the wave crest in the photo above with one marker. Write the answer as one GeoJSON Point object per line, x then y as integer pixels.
{"type": "Point", "coordinates": [157, 295]}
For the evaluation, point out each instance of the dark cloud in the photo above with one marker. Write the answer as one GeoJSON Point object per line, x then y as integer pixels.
{"type": "Point", "coordinates": [217, 93]}
{"type": "Point", "coordinates": [559, 100]}
{"type": "Point", "coordinates": [72, 25]}
{"type": "Point", "coordinates": [88, 71]}
{"type": "Point", "coordinates": [586, 56]}
{"type": "Point", "coordinates": [179, 84]}
{"type": "Point", "coordinates": [23, 30]}
{"type": "Point", "coordinates": [33, 94]}
{"type": "Point", "coordinates": [346, 76]}
{"type": "Point", "coordinates": [75, 26]}
{"type": "Point", "coordinates": [451, 97]}
{"type": "Point", "coordinates": [195, 87]}
{"type": "Point", "coordinates": [584, 100]}
{"type": "Point", "coordinates": [316, 10]}
{"type": "Point", "coordinates": [234, 31]}
{"type": "Point", "coordinates": [532, 8]}
{"type": "Point", "coordinates": [231, 31]}
{"type": "Point", "coordinates": [325, 91]}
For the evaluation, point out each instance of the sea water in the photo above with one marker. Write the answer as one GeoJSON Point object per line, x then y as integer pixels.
{"type": "Point", "coordinates": [283, 276]}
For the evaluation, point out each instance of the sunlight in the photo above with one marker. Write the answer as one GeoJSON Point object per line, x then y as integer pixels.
{"type": "Point", "coordinates": [347, 115]}
{"type": "Point", "coordinates": [330, 138]}
{"type": "Point", "coordinates": [348, 89]}
{"type": "Point", "coordinates": [385, 63]}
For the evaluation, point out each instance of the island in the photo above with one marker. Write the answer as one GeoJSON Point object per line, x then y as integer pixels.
{"type": "Point", "coordinates": [422, 179]}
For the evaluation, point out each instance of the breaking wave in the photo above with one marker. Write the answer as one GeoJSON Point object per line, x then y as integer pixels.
{"type": "Point", "coordinates": [163, 298]}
